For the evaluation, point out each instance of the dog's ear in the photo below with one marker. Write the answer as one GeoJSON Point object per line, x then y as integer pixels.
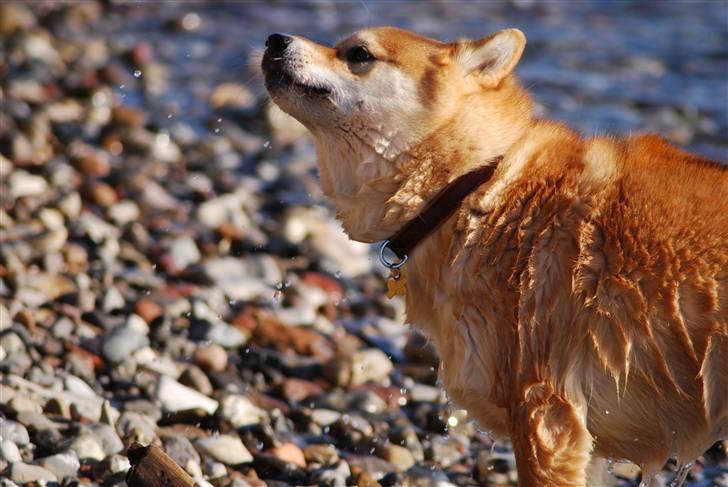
{"type": "Point", "coordinates": [492, 57]}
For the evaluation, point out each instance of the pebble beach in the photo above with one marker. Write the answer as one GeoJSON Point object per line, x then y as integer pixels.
{"type": "Point", "coordinates": [171, 274]}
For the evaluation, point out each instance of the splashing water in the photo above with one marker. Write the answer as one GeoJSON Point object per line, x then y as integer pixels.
{"type": "Point", "coordinates": [682, 474]}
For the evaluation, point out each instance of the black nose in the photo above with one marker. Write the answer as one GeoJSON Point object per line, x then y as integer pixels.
{"type": "Point", "coordinates": [277, 43]}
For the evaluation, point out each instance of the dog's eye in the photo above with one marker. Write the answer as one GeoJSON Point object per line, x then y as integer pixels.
{"type": "Point", "coordinates": [358, 55]}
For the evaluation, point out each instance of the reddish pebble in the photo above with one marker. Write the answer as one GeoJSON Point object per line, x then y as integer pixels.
{"type": "Point", "coordinates": [211, 357]}
{"type": "Point", "coordinates": [331, 286]}
{"type": "Point", "coordinates": [296, 390]}
{"type": "Point", "coordinates": [148, 310]}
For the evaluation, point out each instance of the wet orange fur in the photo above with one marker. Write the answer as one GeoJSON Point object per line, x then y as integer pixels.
{"type": "Point", "coordinates": [579, 300]}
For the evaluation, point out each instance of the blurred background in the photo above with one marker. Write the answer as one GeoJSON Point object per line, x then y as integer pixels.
{"type": "Point", "coordinates": [170, 272]}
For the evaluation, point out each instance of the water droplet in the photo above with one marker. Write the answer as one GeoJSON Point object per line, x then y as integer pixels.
{"type": "Point", "coordinates": [266, 144]}
{"type": "Point", "coordinates": [137, 74]}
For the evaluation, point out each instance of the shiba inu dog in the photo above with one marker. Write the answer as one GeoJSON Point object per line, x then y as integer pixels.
{"type": "Point", "coordinates": [577, 292]}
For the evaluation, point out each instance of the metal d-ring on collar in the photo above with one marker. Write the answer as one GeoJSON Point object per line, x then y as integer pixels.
{"type": "Point", "coordinates": [388, 264]}
{"type": "Point", "coordinates": [440, 208]}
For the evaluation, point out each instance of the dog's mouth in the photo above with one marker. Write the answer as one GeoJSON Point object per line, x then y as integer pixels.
{"type": "Point", "coordinates": [278, 76]}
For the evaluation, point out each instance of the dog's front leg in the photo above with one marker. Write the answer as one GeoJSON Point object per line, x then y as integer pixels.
{"type": "Point", "coordinates": [550, 439]}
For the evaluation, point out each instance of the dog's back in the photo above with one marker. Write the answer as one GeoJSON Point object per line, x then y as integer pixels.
{"type": "Point", "coordinates": [652, 275]}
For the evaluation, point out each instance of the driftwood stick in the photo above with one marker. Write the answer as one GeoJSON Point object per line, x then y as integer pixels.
{"type": "Point", "coordinates": [151, 467]}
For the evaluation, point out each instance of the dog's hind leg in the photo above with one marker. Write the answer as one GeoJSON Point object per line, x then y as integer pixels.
{"type": "Point", "coordinates": [551, 442]}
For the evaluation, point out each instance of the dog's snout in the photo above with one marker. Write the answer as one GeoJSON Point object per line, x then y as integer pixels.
{"type": "Point", "coordinates": [277, 43]}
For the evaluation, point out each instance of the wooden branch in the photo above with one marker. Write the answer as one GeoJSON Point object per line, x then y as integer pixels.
{"type": "Point", "coordinates": [151, 467]}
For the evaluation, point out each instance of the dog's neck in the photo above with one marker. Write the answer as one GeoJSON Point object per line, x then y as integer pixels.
{"type": "Point", "coordinates": [375, 192]}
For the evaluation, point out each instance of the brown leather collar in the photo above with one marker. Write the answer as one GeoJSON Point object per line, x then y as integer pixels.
{"type": "Point", "coordinates": [435, 213]}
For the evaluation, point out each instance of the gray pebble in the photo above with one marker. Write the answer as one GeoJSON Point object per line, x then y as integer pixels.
{"type": "Point", "coordinates": [181, 450]}
{"type": "Point", "coordinates": [121, 343]}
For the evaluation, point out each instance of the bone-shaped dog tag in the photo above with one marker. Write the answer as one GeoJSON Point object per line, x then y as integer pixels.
{"type": "Point", "coordinates": [396, 285]}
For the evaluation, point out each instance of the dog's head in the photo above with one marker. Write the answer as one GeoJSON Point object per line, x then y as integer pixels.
{"type": "Point", "coordinates": [380, 93]}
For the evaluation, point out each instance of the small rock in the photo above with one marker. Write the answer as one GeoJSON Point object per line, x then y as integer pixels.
{"type": "Point", "coordinates": [337, 476]}
{"type": "Point", "coordinates": [324, 417]}
{"type": "Point", "coordinates": [211, 357]}
{"type": "Point", "coordinates": [9, 451]}
{"type": "Point", "coordinates": [24, 184]}
{"type": "Point", "coordinates": [195, 378]}
{"type": "Point", "coordinates": [214, 470]}
{"type": "Point", "coordinates": [296, 390]}
{"type": "Point", "coordinates": [21, 403]}
{"type": "Point", "coordinates": [121, 343]}
{"type": "Point", "coordinates": [226, 449]}
{"type": "Point", "coordinates": [181, 450]}
{"type": "Point", "coordinates": [102, 194]}
{"type": "Point", "coordinates": [374, 466]}
{"type": "Point", "coordinates": [444, 451]}
{"type": "Point", "coordinates": [424, 393]}
{"type": "Point", "coordinates": [240, 411]}
{"type": "Point", "coordinates": [107, 438]}
{"type": "Point", "coordinates": [367, 402]}
{"type": "Point", "coordinates": [87, 447]}
{"type": "Point", "coordinates": [175, 397]}
{"type": "Point", "coordinates": [78, 386]}
{"type": "Point", "coordinates": [15, 432]}
{"type": "Point", "coordinates": [398, 456]}
{"type": "Point", "coordinates": [148, 310]}
{"type": "Point", "coordinates": [271, 333]}
{"type": "Point", "coordinates": [135, 427]}
{"type": "Point", "coordinates": [15, 17]}
{"type": "Point", "coordinates": [360, 367]}
{"type": "Point", "coordinates": [124, 212]}
{"type": "Point", "coordinates": [289, 452]}
{"type": "Point", "coordinates": [420, 476]}
{"type": "Point", "coordinates": [321, 454]}
{"type": "Point", "coordinates": [23, 473]}
{"type": "Point", "coordinates": [62, 465]}
{"type": "Point", "coordinates": [225, 335]}
{"type": "Point", "coordinates": [233, 95]}
{"type": "Point", "coordinates": [119, 464]}
{"type": "Point", "coordinates": [183, 252]}
{"type": "Point", "coordinates": [626, 470]}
